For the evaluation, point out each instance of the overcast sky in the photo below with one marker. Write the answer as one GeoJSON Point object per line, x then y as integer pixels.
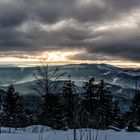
{"type": "Point", "coordinates": [94, 30]}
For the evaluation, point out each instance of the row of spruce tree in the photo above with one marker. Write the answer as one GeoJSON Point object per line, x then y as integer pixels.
{"type": "Point", "coordinates": [93, 108]}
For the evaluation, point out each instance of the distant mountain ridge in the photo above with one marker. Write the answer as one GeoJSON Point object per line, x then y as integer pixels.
{"type": "Point", "coordinates": [79, 72]}
{"type": "Point", "coordinates": [120, 81]}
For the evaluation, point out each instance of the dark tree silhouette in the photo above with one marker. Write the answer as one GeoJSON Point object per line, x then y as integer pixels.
{"type": "Point", "coordinates": [105, 105]}
{"type": "Point", "coordinates": [46, 87]}
{"type": "Point", "coordinates": [14, 114]}
{"type": "Point", "coordinates": [70, 109]}
{"type": "Point", "coordinates": [98, 103]}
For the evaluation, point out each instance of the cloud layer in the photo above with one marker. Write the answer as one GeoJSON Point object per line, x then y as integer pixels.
{"type": "Point", "coordinates": [103, 29]}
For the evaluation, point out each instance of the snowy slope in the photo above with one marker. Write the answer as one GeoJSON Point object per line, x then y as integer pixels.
{"type": "Point", "coordinates": [68, 135]}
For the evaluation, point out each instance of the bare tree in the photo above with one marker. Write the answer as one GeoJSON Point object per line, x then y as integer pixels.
{"type": "Point", "coordinates": [47, 85]}
{"type": "Point", "coordinates": [46, 78]}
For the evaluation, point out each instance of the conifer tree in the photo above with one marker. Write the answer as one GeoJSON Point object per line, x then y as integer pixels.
{"type": "Point", "coordinates": [89, 103]}
{"type": "Point", "coordinates": [105, 105]}
{"type": "Point", "coordinates": [99, 104]}
{"type": "Point", "coordinates": [70, 106]}
{"type": "Point", "coordinates": [135, 107]}
{"type": "Point", "coordinates": [71, 101]}
{"type": "Point", "coordinates": [14, 112]}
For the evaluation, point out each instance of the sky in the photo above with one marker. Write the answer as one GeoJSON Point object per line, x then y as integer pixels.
{"type": "Point", "coordinates": [70, 31]}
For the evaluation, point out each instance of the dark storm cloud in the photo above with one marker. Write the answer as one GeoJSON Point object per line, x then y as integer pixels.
{"type": "Point", "coordinates": [12, 14]}
{"type": "Point", "coordinates": [70, 25]}
{"type": "Point", "coordinates": [129, 50]}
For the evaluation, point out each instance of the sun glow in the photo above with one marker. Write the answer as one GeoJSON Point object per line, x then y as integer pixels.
{"type": "Point", "coordinates": [51, 57]}
{"type": "Point", "coordinates": [55, 56]}
{"type": "Point", "coordinates": [61, 58]}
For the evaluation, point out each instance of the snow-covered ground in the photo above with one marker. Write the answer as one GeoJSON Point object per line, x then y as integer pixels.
{"type": "Point", "coordinates": [44, 133]}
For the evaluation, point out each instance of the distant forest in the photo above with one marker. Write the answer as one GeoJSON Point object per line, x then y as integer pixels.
{"type": "Point", "coordinates": [67, 107]}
